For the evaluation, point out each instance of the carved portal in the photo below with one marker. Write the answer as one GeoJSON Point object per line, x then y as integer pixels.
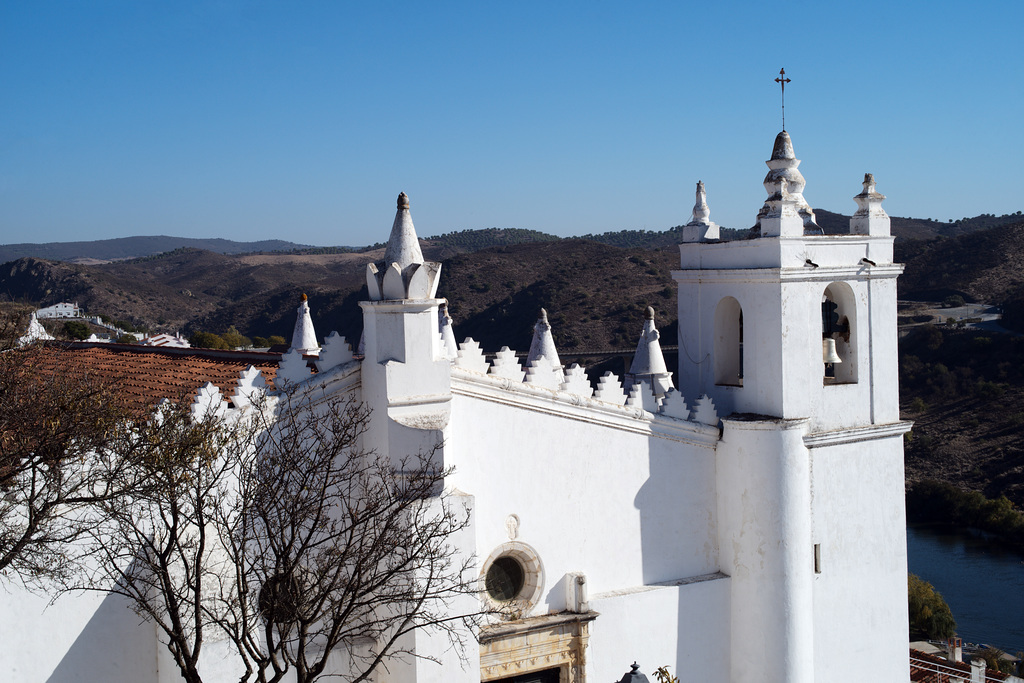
{"type": "Point", "coordinates": [534, 644]}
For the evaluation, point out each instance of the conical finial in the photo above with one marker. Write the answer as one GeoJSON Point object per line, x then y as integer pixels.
{"type": "Point", "coordinates": [648, 361]}
{"type": "Point", "coordinates": [701, 212]}
{"type": "Point", "coordinates": [543, 344]}
{"type": "Point", "coordinates": [634, 675]}
{"type": "Point", "coordinates": [700, 228]}
{"type": "Point", "coordinates": [403, 245]}
{"type": "Point", "coordinates": [403, 274]}
{"type": "Point", "coordinates": [870, 218]}
{"type": "Point", "coordinates": [449, 347]}
{"type": "Point", "coordinates": [786, 212]}
{"type": "Point", "coordinates": [783, 148]}
{"type": "Point", "coordinates": [304, 335]}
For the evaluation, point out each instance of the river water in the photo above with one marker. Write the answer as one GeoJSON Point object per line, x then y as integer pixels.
{"type": "Point", "coordinates": [982, 583]}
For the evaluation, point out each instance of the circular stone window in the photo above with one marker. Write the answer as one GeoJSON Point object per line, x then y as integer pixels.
{"type": "Point", "coordinates": [279, 599]}
{"type": "Point", "coordinates": [505, 579]}
{"type": "Point", "coordinates": [513, 579]}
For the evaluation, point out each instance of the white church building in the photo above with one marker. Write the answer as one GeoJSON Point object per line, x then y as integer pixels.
{"type": "Point", "coordinates": [744, 526]}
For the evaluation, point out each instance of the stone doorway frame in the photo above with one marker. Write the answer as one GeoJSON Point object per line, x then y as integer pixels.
{"type": "Point", "coordinates": [534, 644]}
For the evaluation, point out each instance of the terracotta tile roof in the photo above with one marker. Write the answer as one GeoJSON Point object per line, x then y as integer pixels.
{"type": "Point", "coordinates": [148, 374]}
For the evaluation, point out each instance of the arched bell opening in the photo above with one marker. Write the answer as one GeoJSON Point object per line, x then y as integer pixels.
{"type": "Point", "coordinates": [838, 334]}
{"type": "Point", "coordinates": [728, 346]}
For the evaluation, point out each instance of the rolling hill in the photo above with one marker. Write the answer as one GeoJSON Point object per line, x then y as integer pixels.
{"type": "Point", "coordinates": [133, 247]}
{"type": "Point", "coordinates": [960, 386]}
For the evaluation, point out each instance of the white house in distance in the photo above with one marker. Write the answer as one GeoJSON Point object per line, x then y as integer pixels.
{"type": "Point", "coordinates": [747, 525]}
{"type": "Point", "coordinates": [61, 310]}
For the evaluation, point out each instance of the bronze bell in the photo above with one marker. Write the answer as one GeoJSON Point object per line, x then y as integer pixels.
{"type": "Point", "coordinates": [828, 351]}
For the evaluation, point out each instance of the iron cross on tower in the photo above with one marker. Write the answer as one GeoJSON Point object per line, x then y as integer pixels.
{"type": "Point", "coordinates": [782, 80]}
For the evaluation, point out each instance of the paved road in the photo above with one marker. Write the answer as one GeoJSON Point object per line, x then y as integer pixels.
{"type": "Point", "coordinates": [985, 317]}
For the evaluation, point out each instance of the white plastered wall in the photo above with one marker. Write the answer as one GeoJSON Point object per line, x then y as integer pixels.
{"type": "Point", "coordinates": [80, 637]}
{"type": "Point", "coordinates": [647, 624]}
{"type": "Point", "coordinates": [860, 596]}
{"type": "Point", "coordinates": [624, 507]}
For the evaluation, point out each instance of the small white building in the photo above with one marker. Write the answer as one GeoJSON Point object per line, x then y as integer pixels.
{"type": "Point", "coordinates": [174, 340]}
{"type": "Point", "coordinates": [747, 525]}
{"type": "Point", "coordinates": [61, 310]}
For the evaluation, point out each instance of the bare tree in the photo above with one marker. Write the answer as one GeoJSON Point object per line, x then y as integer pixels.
{"type": "Point", "coordinates": [335, 545]}
{"type": "Point", "coordinates": [58, 428]}
{"type": "Point", "coordinates": [276, 529]}
{"type": "Point", "coordinates": [158, 546]}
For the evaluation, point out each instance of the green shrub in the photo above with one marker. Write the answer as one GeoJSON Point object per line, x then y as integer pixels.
{"type": "Point", "coordinates": [953, 301]}
{"type": "Point", "coordinates": [234, 339]}
{"type": "Point", "coordinates": [930, 616]}
{"type": "Point", "coordinates": [76, 330]}
{"type": "Point", "coordinates": [207, 340]}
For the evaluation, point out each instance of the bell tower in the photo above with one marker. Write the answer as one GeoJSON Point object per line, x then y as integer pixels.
{"type": "Point", "coordinates": [758, 316]}
{"type": "Point", "coordinates": [792, 333]}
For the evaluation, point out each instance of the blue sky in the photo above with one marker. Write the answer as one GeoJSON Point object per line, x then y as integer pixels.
{"type": "Point", "coordinates": [303, 121]}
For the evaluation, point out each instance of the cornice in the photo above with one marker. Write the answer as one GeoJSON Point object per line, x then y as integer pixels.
{"type": "Point", "coordinates": [575, 407]}
{"type": "Point", "coordinates": [857, 434]}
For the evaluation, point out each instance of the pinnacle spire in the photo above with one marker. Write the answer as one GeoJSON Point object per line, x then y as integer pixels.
{"type": "Point", "coordinates": [449, 347]}
{"type": "Point", "coordinates": [35, 332]}
{"type": "Point", "coordinates": [785, 212]}
{"type": "Point", "coordinates": [304, 335]}
{"type": "Point", "coordinates": [403, 245]}
{"type": "Point", "coordinates": [701, 212]}
{"type": "Point", "coordinates": [648, 361]}
{"type": "Point", "coordinates": [543, 345]}
{"type": "Point", "coordinates": [700, 228]}
{"type": "Point", "coordinates": [403, 274]}
{"type": "Point", "coordinates": [870, 218]}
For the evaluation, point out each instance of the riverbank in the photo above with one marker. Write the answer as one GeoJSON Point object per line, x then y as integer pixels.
{"type": "Point", "coordinates": [980, 580]}
{"type": "Point", "coordinates": [938, 502]}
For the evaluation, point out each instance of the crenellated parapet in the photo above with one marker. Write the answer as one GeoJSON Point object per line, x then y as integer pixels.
{"type": "Point", "coordinates": [337, 351]}
{"type": "Point", "coordinates": [505, 373]}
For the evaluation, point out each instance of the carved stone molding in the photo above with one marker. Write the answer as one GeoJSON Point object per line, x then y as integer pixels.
{"type": "Point", "coordinates": [534, 644]}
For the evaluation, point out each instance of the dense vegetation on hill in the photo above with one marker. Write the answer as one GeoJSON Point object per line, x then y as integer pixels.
{"type": "Point", "coordinates": [638, 239]}
{"type": "Point", "coordinates": [462, 241]}
{"type": "Point", "coordinates": [920, 228]}
{"type": "Point", "coordinates": [474, 240]}
{"type": "Point", "coordinates": [132, 247]}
